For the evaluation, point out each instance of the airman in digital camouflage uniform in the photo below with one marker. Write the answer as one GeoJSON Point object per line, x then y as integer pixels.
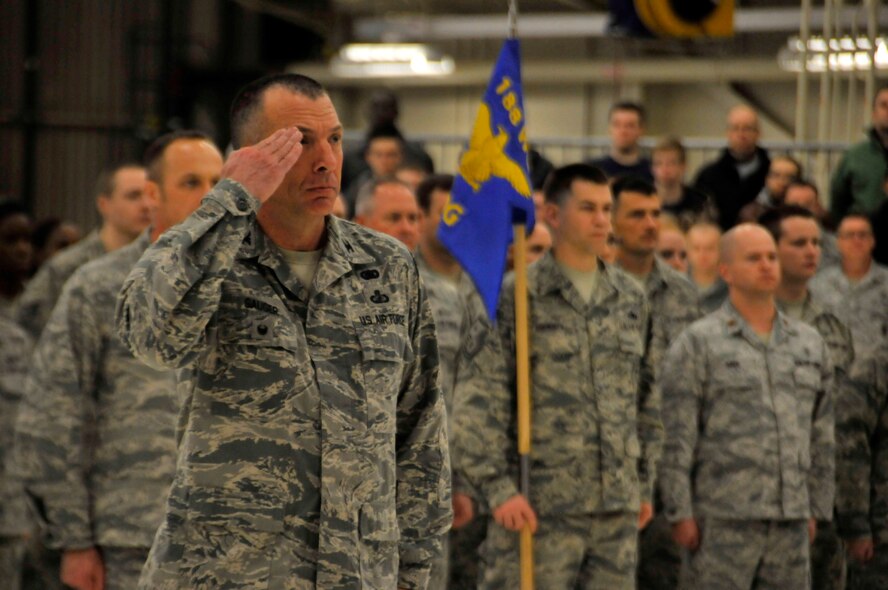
{"type": "Point", "coordinates": [748, 465]}
{"type": "Point", "coordinates": [673, 301]}
{"type": "Point", "coordinates": [96, 432]}
{"type": "Point", "coordinates": [797, 235]}
{"type": "Point", "coordinates": [124, 208]}
{"type": "Point", "coordinates": [856, 290]}
{"type": "Point", "coordinates": [596, 422]}
{"type": "Point", "coordinates": [862, 471]}
{"type": "Point", "coordinates": [314, 445]}
{"type": "Point", "coordinates": [15, 349]}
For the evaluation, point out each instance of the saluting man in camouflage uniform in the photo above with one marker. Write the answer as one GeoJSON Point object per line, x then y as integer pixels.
{"type": "Point", "coordinates": [314, 445]}
{"type": "Point", "coordinates": [15, 350]}
{"type": "Point", "coordinates": [797, 234]}
{"type": "Point", "coordinates": [673, 301]}
{"type": "Point", "coordinates": [748, 465]}
{"type": "Point", "coordinates": [596, 419]}
{"type": "Point", "coordinates": [96, 431]}
{"type": "Point", "coordinates": [125, 211]}
{"type": "Point", "coordinates": [862, 471]}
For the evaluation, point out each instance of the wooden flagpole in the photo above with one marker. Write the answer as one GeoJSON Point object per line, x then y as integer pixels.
{"type": "Point", "coordinates": [522, 364]}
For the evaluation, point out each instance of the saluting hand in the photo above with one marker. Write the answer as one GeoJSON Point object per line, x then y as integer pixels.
{"type": "Point", "coordinates": [514, 513]}
{"type": "Point", "coordinates": [261, 168]}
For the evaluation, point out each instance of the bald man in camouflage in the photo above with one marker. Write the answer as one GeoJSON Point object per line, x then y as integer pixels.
{"type": "Point", "coordinates": [748, 465]}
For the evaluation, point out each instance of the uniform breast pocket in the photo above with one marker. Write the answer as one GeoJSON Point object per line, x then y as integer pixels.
{"type": "Point", "coordinates": [733, 402]}
{"type": "Point", "coordinates": [385, 355]}
{"type": "Point", "coordinates": [631, 350]}
{"type": "Point", "coordinates": [257, 365]}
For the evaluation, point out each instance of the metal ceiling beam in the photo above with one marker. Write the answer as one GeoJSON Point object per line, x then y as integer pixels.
{"type": "Point", "coordinates": [573, 72]}
{"type": "Point", "coordinates": [555, 25]}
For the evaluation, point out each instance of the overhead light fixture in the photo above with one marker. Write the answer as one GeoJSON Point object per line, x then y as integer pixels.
{"type": "Point", "coordinates": [390, 60]}
{"type": "Point", "coordinates": [844, 54]}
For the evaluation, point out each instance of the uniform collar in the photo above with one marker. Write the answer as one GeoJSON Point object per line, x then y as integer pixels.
{"type": "Point", "coordinates": [551, 279]}
{"type": "Point", "coordinates": [736, 325]}
{"type": "Point", "coordinates": [341, 253]}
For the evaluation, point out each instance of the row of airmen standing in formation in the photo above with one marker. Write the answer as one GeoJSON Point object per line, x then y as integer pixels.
{"type": "Point", "coordinates": [718, 426]}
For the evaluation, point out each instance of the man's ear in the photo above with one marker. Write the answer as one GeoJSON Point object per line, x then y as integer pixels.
{"type": "Point", "coordinates": [550, 215]}
{"type": "Point", "coordinates": [102, 204]}
{"type": "Point", "coordinates": [152, 191]}
{"type": "Point", "coordinates": [724, 272]}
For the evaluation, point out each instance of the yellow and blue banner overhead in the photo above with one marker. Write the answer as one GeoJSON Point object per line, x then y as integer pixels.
{"type": "Point", "coordinates": [492, 188]}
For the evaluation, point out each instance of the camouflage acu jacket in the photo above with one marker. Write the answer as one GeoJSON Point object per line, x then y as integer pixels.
{"type": "Point", "coordinates": [312, 415]}
{"type": "Point", "coordinates": [15, 354]}
{"type": "Point", "coordinates": [862, 469]}
{"type": "Point", "coordinates": [749, 425]}
{"type": "Point", "coordinates": [596, 426]}
{"type": "Point", "coordinates": [96, 431]}
{"type": "Point", "coordinates": [42, 292]}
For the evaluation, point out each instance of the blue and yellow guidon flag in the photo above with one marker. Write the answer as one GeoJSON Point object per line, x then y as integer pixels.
{"type": "Point", "coordinates": [492, 188]}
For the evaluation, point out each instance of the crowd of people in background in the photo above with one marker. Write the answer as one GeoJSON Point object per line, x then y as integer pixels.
{"type": "Point", "coordinates": [709, 367]}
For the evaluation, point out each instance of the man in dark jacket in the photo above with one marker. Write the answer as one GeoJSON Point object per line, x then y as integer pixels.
{"type": "Point", "coordinates": [738, 175]}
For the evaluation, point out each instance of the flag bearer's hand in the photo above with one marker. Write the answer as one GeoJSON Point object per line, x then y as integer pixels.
{"type": "Point", "coordinates": [514, 513]}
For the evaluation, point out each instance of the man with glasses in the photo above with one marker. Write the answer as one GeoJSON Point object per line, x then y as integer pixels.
{"type": "Point", "coordinates": [858, 288]}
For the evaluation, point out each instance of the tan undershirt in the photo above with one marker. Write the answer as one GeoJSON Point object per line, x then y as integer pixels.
{"type": "Point", "coordinates": [302, 264]}
{"type": "Point", "coordinates": [585, 282]}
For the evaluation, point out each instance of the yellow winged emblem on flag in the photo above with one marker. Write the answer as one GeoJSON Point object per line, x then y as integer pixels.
{"type": "Point", "coordinates": [487, 157]}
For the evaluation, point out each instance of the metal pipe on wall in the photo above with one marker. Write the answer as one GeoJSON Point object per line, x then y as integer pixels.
{"type": "Point", "coordinates": [801, 119]}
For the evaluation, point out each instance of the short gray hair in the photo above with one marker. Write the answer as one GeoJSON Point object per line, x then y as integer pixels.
{"type": "Point", "coordinates": [365, 200]}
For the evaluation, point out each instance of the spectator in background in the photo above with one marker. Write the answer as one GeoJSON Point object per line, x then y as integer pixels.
{"type": "Point", "coordinates": [783, 171]}
{"type": "Point", "coordinates": [857, 184]}
{"type": "Point", "coordinates": [382, 111]}
{"type": "Point", "coordinates": [51, 235]}
{"type": "Point", "coordinates": [687, 204]}
{"type": "Point", "coordinates": [411, 174]}
{"type": "Point", "coordinates": [16, 253]}
{"type": "Point", "coordinates": [880, 229]}
{"type": "Point", "coordinates": [384, 154]}
{"type": "Point", "coordinates": [672, 246]}
{"type": "Point", "coordinates": [125, 211]}
{"type": "Point", "coordinates": [738, 175]}
{"type": "Point", "coordinates": [804, 194]}
{"type": "Point", "coordinates": [703, 260]}
{"type": "Point", "coordinates": [625, 128]}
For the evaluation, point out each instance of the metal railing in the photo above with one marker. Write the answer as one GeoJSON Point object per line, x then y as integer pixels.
{"type": "Point", "coordinates": [818, 159]}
